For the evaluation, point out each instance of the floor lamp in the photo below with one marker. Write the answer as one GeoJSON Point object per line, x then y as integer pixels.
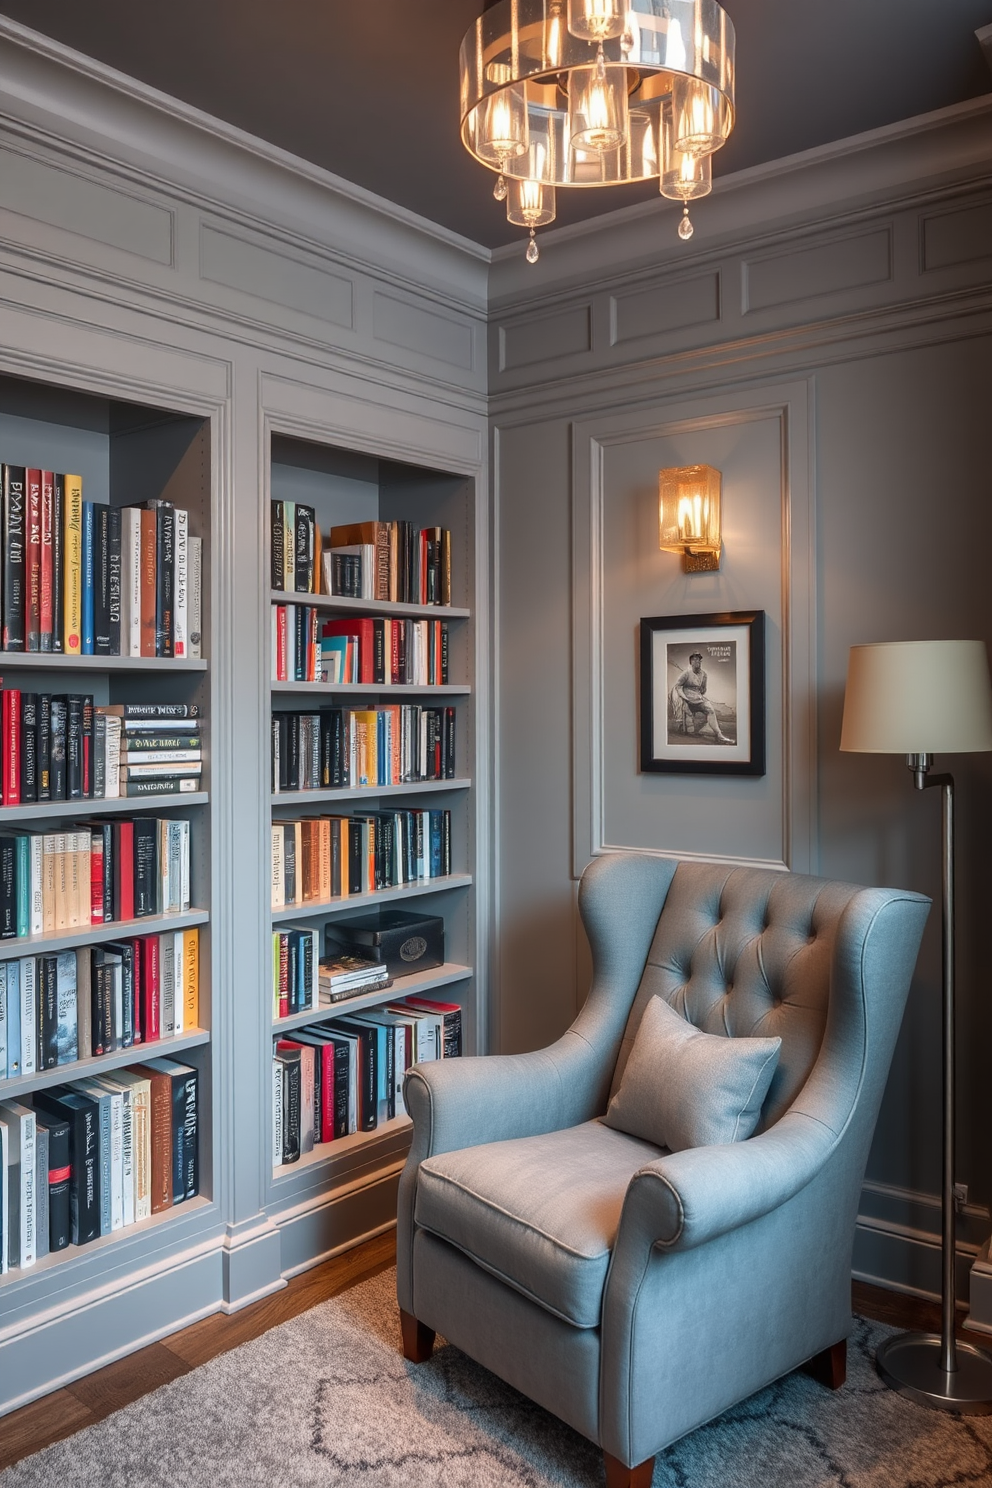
{"type": "Point", "coordinates": [921, 698]}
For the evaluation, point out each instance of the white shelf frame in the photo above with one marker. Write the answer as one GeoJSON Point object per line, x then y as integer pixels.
{"type": "Point", "coordinates": [80, 935]}
{"type": "Point", "coordinates": [319, 908]}
{"type": "Point", "coordinates": [375, 608]}
{"type": "Point", "coordinates": [99, 1064]}
{"type": "Point", "coordinates": [406, 986]}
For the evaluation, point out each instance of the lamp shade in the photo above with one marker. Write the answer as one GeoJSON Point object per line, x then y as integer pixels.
{"type": "Point", "coordinates": [918, 697]}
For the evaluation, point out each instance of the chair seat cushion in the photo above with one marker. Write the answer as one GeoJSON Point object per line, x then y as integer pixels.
{"type": "Point", "coordinates": [541, 1213]}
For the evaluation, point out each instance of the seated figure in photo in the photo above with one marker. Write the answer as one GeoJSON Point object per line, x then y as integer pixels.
{"type": "Point", "coordinates": [690, 691]}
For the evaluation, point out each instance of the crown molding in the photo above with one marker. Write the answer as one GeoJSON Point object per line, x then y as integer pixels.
{"type": "Point", "coordinates": [891, 166]}
{"type": "Point", "coordinates": [48, 87]}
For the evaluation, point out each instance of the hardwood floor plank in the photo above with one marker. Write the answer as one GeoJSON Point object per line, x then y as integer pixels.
{"type": "Point", "coordinates": [915, 1314]}
{"type": "Point", "coordinates": [39, 1424]}
{"type": "Point", "coordinates": [117, 1385]}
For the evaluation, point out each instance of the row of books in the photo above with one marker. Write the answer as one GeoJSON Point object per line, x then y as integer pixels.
{"type": "Point", "coordinates": [88, 579]}
{"type": "Point", "coordinates": [316, 859]}
{"type": "Point", "coordinates": [394, 744]}
{"type": "Point", "coordinates": [81, 1160]}
{"type": "Point", "coordinates": [335, 1078]}
{"type": "Point", "coordinates": [63, 1006]}
{"type": "Point", "coordinates": [301, 983]}
{"type": "Point", "coordinates": [60, 747]}
{"type": "Point", "coordinates": [124, 868]}
{"type": "Point", "coordinates": [394, 561]}
{"type": "Point", "coordinates": [374, 650]}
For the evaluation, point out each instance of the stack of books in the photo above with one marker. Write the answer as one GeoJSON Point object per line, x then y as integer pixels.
{"type": "Point", "coordinates": [88, 1158]}
{"type": "Point", "coordinates": [64, 1006]}
{"type": "Point", "coordinates": [161, 748]}
{"type": "Point", "coordinates": [394, 561]}
{"type": "Point", "coordinates": [319, 858]}
{"type": "Point", "coordinates": [332, 1079]}
{"type": "Point", "coordinates": [88, 579]}
{"type": "Point", "coordinates": [342, 977]}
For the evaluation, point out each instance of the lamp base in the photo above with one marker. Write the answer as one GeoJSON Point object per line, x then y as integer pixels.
{"type": "Point", "coordinates": [910, 1363]}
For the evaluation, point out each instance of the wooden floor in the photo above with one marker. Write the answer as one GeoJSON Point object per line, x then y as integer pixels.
{"type": "Point", "coordinates": [99, 1394]}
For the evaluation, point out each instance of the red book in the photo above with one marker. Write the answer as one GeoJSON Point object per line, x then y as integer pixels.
{"type": "Point", "coordinates": [282, 666]}
{"type": "Point", "coordinates": [151, 1024]}
{"type": "Point", "coordinates": [284, 976]}
{"type": "Point", "coordinates": [32, 560]}
{"type": "Point", "coordinates": [313, 644]}
{"type": "Point", "coordinates": [139, 1022]}
{"type": "Point", "coordinates": [422, 596]}
{"type": "Point", "coordinates": [96, 878]}
{"type": "Point", "coordinates": [11, 746]}
{"type": "Point", "coordinates": [123, 870]}
{"type": "Point", "coordinates": [47, 570]}
{"type": "Point", "coordinates": [393, 650]}
{"type": "Point", "coordinates": [362, 627]}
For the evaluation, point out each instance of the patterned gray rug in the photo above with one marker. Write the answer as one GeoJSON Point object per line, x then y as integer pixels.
{"type": "Point", "coordinates": [326, 1401]}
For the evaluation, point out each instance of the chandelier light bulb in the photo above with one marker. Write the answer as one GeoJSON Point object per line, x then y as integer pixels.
{"type": "Point", "coordinates": [596, 20]}
{"type": "Point", "coordinates": [502, 126]}
{"type": "Point", "coordinates": [699, 123]}
{"type": "Point", "coordinates": [597, 108]}
{"type": "Point", "coordinates": [530, 204]}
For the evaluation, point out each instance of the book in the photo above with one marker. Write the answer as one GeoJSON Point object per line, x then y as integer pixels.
{"type": "Point", "coordinates": [21, 1123]}
{"type": "Point", "coordinates": [81, 1114]}
{"type": "Point", "coordinates": [12, 531]}
{"type": "Point", "coordinates": [87, 548]}
{"type": "Point", "coordinates": [32, 560]}
{"type": "Point", "coordinates": [57, 1180]}
{"type": "Point", "coordinates": [72, 564]}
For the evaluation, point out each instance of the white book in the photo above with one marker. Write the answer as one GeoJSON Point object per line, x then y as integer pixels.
{"type": "Point", "coordinates": [3, 1021]}
{"type": "Point", "coordinates": [278, 865]}
{"type": "Point", "coordinates": [184, 887]}
{"type": "Point", "coordinates": [49, 851]}
{"type": "Point", "coordinates": [21, 1135]}
{"type": "Point", "coordinates": [98, 1088]}
{"type": "Point", "coordinates": [167, 983]}
{"type": "Point", "coordinates": [175, 847]}
{"type": "Point", "coordinates": [277, 1112]}
{"type": "Point", "coordinates": [178, 978]}
{"type": "Point", "coordinates": [130, 581]}
{"type": "Point", "coordinates": [180, 614]}
{"type": "Point", "coordinates": [29, 1014]}
{"type": "Point", "coordinates": [4, 1200]}
{"type": "Point", "coordinates": [13, 969]}
{"type": "Point", "coordinates": [121, 1088]}
{"type": "Point", "coordinates": [68, 1027]}
{"type": "Point", "coordinates": [164, 863]}
{"type": "Point", "coordinates": [37, 924]}
{"type": "Point", "coordinates": [99, 754]}
{"type": "Point", "coordinates": [274, 642]}
{"type": "Point", "coordinates": [113, 726]}
{"type": "Point", "coordinates": [195, 596]}
{"type": "Point", "coordinates": [141, 1142]}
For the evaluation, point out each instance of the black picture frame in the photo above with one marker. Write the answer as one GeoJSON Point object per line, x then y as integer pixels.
{"type": "Point", "coordinates": [705, 718]}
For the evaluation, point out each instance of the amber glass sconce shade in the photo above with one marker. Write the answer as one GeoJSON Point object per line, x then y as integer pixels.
{"type": "Point", "coordinates": [689, 515]}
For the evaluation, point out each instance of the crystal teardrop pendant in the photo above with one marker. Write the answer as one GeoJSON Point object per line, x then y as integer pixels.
{"type": "Point", "coordinates": [685, 226]}
{"type": "Point", "coordinates": [533, 252]}
{"type": "Point", "coordinates": [499, 190]}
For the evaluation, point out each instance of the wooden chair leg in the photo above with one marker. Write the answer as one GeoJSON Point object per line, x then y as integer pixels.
{"type": "Point", "coordinates": [830, 1367]}
{"type": "Point", "coordinates": [418, 1339]}
{"type": "Point", "coordinates": [618, 1475]}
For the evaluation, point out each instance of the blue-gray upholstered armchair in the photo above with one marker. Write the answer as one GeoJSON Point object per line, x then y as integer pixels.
{"type": "Point", "coordinates": [632, 1291]}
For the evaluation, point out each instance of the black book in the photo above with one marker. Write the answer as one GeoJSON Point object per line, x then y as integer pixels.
{"type": "Point", "coordinates": [29, 746]}
{"type": "Point", "coordinates": [448, 744]}
{"type": "Point", "coordinates": [275, 734]}
{"type": "Point", "coordinates": [87, 740]}
{"type": "Point", "coordinates": [58, 575]}
{"type": "Point", "coordinates": [277, 545]}
{"type": "Point", "coordinates": [332, 754]}
{"type": "Point", "coordinates": [165, 579]}
{"type": "Point", "coordinates": [403, 650]}
{"type": "Point", "coordinates": [356, 855]}
{"type": "Point", "coordinates": [380, 661]}
{"type": "Point", "coordinates": [291, 1103]}
{"type": "Point", "coordinates": [145, 866]}
{"type": "Point", "coordinates": [289, 866]}
{"type": "Point", "coordinates": [74, 747]}
{"type": "Point", "coordinates": [48, 1012]}
{"type": "Point", "coordinates": [101, 579]}
{"type": "Point", "coordinates": [59, 747]}
{"type": "Point", "coordinates": [8, 888]}
{"type": "Point", "coordinates": [13, 557]}
{"type": "Point", "coordinates": [368, 1071]}
{"type": "Point", "coordinates": [293, 959]}
{"type": "Point", "coordinates": [59, 1171]}
{"type": "Point", "coordinates": [44, 746]}
{"type": "Point", "coordinates": [114, 568]}
{"type": "Point", "coordinates": [306, 524]}
{"type": "Point", "coordinates": [292, 751]}
{"type": "Point", "coordinates": [83, 1117]}
{"type": "Point", "coordinates": [299, 642]}
{"type": "Point", "coordinates": [125, 949]}
{"type": "Point", "coordinates": [153, 712]}
{"type": "Point", "coordinates": [444, 652]}
{"type": "Point", "coordinates": [307, 970]}
{"type": "Point", "coordinates": [102, 1002]}
{"type": "Point", "coordinates": [342, 1063]}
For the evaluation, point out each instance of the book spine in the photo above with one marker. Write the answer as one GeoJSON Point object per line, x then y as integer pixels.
{"type": "Point", "coordinates": [101, 579]}
{"type": "Point", "coordinates": [276, 546]}
{"type": "Point", "coordinates": [13, 557]}
{"type": "Point", "coordinates": [115, 573]}
{"type": "Point", "coordinates": [48, 1010]}
{"type": "Point", "coordinates": [32, 560]}
{"type": "Point", "coordinates": [58, 566]}
{"type": "Point", "coordinates": [29, 746]}
{"type": "Point", "coordinates": [149, 566]}
{"type": "Point", "coordinates": [189, 1112]}
{"type": "Point", "coordinates": [195, 598]}
{"type": "Point", "coordinates": [145, 867]}
{"type": "Point", "coordinates": [74, 747]}
{"type": "Point", "coordinates": [44, 746]}
{"type": "Point", "coordinates": [180, 647]}
{"type": "Point", "coordinates": [72, 603]}
{"type": "Point", "coordinates": [59, 1174]}
{"type": "Point", "coordinates": [59, 744]}
{"type": "Point", "coordinates": [88, 578]}
{"type": "Point", "coordinates": [11, 725]}
{"type": "Point", "coordinates": [165, 581]}
{"type": "Point", "coordinates": [67, 1046]}
{"type": "Point", "coordinates": [130, 581]}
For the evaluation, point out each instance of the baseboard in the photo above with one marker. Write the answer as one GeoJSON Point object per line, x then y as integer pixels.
{"type": "Point", "coordinates": [897, 1243]}
{"type": "Point", "coordinates": [329, 1224]}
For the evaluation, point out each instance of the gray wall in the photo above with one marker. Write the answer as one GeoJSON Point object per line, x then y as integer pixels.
{"type": "Point", "coordinates": [826, 342]}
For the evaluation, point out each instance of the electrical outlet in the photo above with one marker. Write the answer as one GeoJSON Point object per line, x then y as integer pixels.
{"type": "Point", "coordinates": [960, 1195]}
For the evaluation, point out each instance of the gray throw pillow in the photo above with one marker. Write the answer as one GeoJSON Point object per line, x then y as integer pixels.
{"type": "Point", "coordinates": [683, 1088]}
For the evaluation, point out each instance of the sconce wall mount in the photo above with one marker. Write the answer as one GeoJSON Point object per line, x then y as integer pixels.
{"type": "Point", "coordinates": [689, 515]}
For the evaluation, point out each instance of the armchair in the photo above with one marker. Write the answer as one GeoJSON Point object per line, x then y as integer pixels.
{"type": "Point", "coordinates": [635, 1292]}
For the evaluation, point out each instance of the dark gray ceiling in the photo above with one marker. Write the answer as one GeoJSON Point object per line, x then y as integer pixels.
{"type": "Point", "coordinates": [369, 89]}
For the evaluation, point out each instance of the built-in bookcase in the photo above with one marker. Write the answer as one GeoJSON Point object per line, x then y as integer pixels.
{"type": "Point", "coordinates": [126, 454]}
{"type": "Point", "coordinates": [345, 487]}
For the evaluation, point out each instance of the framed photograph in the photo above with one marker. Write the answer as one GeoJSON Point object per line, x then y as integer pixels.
{"type": "Point", "coordinates": [703, 694]}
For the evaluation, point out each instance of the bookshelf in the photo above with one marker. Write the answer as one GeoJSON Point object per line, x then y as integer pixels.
{"type": "Point", "coordinates": [126, 453]}
{"type": "Point", "coordinates": [344, 486]}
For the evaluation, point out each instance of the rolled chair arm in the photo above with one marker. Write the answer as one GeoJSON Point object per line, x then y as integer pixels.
{"type": "Point", "coordinates": [686, 1198]}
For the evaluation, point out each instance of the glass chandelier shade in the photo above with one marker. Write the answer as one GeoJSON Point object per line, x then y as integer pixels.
{"type": "Point", "coordinates": [597, 108]}
{"type": "Point", "coordinates": [702, 121]}
{"type": "Point", "coordinates": [530, 204]}
{"type": "Point", "coordinates": [684, 176]}
{"type": "Point", "coordinates": [596, 20]}
{"type": "Point", "coordinates": [502, 126]}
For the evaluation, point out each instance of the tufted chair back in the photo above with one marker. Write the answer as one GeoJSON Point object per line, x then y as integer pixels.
{"type": "Point", "coordinates": [746, 952]}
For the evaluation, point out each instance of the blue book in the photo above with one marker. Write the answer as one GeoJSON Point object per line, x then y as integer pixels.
{"type": "Point", "coordinates": [3, 1019]}
{"type": "Point", "coordinates": [13, 1019]}
{"type": "Point", "coordinates": [88, 579]}
{"type": "Point", "coordinates": [22, 885]}
{"type": "Point", "coordinates": [436, 834]}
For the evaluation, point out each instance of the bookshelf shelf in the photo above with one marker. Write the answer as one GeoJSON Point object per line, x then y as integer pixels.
{"type": "Point", "coordinates": [415, 983]}
{"type": "Point", "coordinates": [372, 689]}
{"type": "Point", "coordinates": [101, 1063]}
{"type": "Point", "coordinates": [32, 945]}
{"type": "Point", "coordinates": [328, 1151]}
{"type": "Point", "coordinates": [367, 792]}
{"type": "Point", "coordinates": [189, 1209]}
{"type": "Point", "coordinates": [59, 662]}
{"type": "Point", "coordinates": [315, 910]}
{"type": "Point", "coordinates": [343, 604]}
{"type": "Point", "coordinates": [94, 806]}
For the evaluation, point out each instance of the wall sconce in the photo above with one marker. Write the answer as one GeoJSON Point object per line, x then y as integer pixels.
{"type": "Point", "coordinates": [689, 515]}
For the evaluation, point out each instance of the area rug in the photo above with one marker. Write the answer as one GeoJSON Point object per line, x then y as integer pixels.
{"type": "Point", "coordinates": [326, 1401]}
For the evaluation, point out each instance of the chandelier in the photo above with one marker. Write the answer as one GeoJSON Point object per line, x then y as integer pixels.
{"type": "Point", "coordinates": [595, 93]}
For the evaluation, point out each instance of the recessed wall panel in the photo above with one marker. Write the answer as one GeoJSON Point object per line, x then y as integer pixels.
{"type": "Point", "coordinates": [665, 307]}
{"type": "Point", "coordinates": [279, 278]}
{"type": "Point", "coordinates": [806, 273]}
